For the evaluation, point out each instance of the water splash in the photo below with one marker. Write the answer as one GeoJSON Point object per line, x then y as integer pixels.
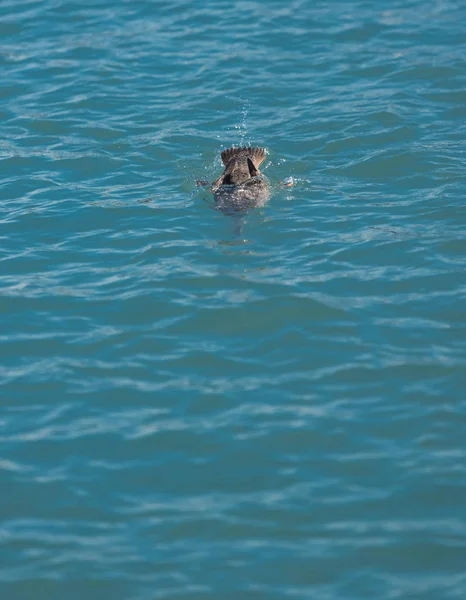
{"type": "Point", "coordinates": [242, 128]}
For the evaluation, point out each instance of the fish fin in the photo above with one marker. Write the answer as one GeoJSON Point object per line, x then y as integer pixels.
{"type": "Point", "coordinates": [217, 183]}
{"type": "Point", "coordinates": [228, 154]}
{"type": "Point", "coordinates": [252, 168]}
{"type": "Point", "coordinates": [257, 155]}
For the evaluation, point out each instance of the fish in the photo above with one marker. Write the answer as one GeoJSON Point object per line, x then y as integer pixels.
{"type": "Point", "coordinates": [241, 186]}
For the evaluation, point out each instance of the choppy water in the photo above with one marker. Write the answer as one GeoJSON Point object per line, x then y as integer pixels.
{"type": "Point", "coordinates": [200, 406]}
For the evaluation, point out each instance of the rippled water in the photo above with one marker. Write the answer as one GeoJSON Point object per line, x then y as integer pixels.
{"type": "Point", "coordinates": [195, 405]}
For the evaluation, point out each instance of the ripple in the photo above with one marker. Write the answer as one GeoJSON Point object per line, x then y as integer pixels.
{"type": "Point", "coordinates": [200, 406]}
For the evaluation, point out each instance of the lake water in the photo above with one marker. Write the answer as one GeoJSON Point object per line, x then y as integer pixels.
{"type": "Point", "coordinates": [260, 406]}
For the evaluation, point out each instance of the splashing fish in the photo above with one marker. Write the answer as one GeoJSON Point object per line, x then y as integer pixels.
{"type": "Point", "coordinates": [241, 185]}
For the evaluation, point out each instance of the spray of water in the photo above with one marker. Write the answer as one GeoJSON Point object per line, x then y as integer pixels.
{"type": "Point", "coordinates": [242, 128]}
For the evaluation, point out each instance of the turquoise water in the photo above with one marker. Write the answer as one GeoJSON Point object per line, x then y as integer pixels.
{"type": "Point", "coordinates": [267, 405]}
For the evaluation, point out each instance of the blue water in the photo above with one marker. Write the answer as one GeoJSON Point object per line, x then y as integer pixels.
{"type": "Point", "coordinates": [203, 406]}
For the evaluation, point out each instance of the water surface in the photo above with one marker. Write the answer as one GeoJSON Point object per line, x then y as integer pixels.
{"type": "Point", "coordinates": [200, 406]}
